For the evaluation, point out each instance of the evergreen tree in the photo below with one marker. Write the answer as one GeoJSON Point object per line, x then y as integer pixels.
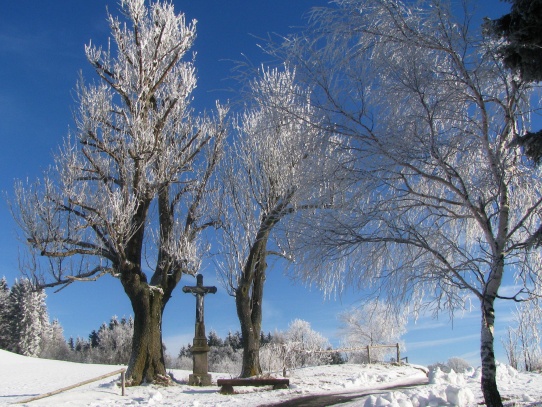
{"type": "Point", "coordinates": [81, 345]}
{"type": "Point", "coordinates": [522, 53]}
{"type": "Point", "coordinates": [29, 320]}
{"type": "Point", "coordinates": [115, 341]}
{"type": "Point", "coordinates": [94, 338]}
{"type": "Point", "coordinates": [82, 351]}
{"type": "Point", "coordinates": [71, 344]}
{"type": "Point", "coordinates": [54, 345]}
{"type": "Point", "coordinates": [265, 339]}
{"type": "Point", "coordinates": [235, 340]}
{"type": "Point", "coordinates": [522, 31]}
{"type": "Point", "coordinates": [214, 339]}
{"type": "Point", "coordinates": [5, 309]}
{"type": "Point", "coordinates": [186, 351]}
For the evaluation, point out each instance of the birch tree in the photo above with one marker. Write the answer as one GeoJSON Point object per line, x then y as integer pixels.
{"type": "Point", "coordinates": [444, 206]}
{"type": "Point", "coordinates": [278, 169]}
{"type": "Point", "coordinates": [128, 194]}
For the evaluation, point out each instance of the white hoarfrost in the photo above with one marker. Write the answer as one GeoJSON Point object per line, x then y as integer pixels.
{"type": "Point", "coordinates": [23, 377]}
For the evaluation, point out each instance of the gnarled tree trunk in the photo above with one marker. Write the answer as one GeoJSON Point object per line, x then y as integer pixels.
{"type": "Point", "coordinates": [248, 300]}
{"type": "Point", "coordinates": [147, 363]}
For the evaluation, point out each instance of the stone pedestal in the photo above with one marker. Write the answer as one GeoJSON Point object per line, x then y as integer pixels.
{"type": "Point", "coordinates": [200, 350]}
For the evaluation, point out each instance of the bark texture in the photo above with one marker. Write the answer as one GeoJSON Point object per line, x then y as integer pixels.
{"type": "Point", "coordinates": [490, 391]}
{"type": "Point", "coordinates": [147, 363]}
{"type": "Point", "coordinates": [248, 300]}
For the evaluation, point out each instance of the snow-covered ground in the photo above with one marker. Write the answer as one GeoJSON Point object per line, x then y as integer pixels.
{"type": "Point", "coordinates": [22, 377]}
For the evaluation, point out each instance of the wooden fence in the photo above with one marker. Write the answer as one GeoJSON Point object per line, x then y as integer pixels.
{"type": "Point", "coordinates": [369, 347]}
{"type": "Point", "coordinates": [346, 350]}
{"type": "Point", "coordinates": [73, 386]}
{"type": "Point", "coordinates": [366, 348]}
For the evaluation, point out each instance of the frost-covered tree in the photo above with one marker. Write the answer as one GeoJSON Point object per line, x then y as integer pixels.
{"type": "Point", "coordinates": [305, 346]}
{"type": "Point", "coordinates": [223, 357]}
{"type": "Point", "coordinates": [214, 340]}
{"type": "Point", "coordinates": [458, 365]}
{"type": "Point", "coordinates": [5, 309]}
{"type": "Point", "coordinates": [234, 340]}
{"type": "Point", "coordinates": [114, 341]}
{"type": "Point", "coordinates": [298, 346]}
{"type": "Point", "coordinates": [523, 343]}
{"type": "Point", "coordinates": [278, 168]}
{"type": "Point", "coordinates": [444, 206]}
{"type": "Point", "coordinates": [373, 323]}
{"type": "Point", "coordinates": [29, 320]}
{"type": "Point", "coordinates": [128, 195]}
{"type": "Point", "coordinates": [53, 344]}
{"type": "Point", "coordinates": [82, 351]}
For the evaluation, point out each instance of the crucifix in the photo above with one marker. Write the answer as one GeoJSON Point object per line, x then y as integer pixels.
{"type": "Point", "coordinates": [200, 348]}
{"type": "Point", "coordinates": [199, 291]}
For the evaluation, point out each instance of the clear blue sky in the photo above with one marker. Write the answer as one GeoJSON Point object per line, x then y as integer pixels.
{"type": "Point", "coordinates": [41, 54]}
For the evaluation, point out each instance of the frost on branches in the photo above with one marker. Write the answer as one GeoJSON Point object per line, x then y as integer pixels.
{"type": "Point", "coordinates": [28, 321]}
{"type": "Point", "coordinates": [130, 186]}
{"type": "Point", "coordinates": [443, 206]}
{"type": "Point", "coordinates": [373, 323]}
{"type": "Point", "coordinates": [280, 168]}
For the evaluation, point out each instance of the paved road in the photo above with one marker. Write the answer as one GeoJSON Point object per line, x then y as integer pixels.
{"type": "Point", "coordinates": [326, 400]}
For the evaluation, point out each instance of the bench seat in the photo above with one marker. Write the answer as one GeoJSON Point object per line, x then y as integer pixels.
{"type": "Point", "coordinates": [227, 385]}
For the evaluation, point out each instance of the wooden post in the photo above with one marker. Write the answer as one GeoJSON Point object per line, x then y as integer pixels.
{"type": "Point", "coordinates": [398, 354]}
{"type": "Point", "coordinates": [369, 354]}
{"type": "Point", "coordinates": [123, 380]}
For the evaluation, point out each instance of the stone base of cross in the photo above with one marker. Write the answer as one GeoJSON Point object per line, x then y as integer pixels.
{"type": "Point", "coordinates": [200, 349]}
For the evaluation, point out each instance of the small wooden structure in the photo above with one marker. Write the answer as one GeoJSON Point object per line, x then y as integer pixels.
{"type": "Point", "coordinates": [228, 384]}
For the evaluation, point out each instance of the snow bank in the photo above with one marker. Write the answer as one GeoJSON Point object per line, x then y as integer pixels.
{"type": "Point", "coordinates": [461, 389]}
{"type": "Point", "coordinates": [22, 377]}
{"type": "Point", "coordinates": [422, 397]}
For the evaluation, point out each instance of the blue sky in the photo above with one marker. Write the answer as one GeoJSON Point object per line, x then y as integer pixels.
{"type": "Point", "coordinates": [41, 55]}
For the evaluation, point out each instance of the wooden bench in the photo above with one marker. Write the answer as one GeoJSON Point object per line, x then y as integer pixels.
{"type": "Point", "coordinates": [226, 385]}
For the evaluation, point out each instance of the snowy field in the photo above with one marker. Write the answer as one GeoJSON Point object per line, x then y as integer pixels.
{"type": "Point", "coordinates": [22, 377]}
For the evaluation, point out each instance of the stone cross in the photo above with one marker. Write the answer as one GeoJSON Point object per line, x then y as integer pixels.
{"type": "Point", "coordinates": [200, 348]}
{"type": "Point", "coordinates": [199, 291]}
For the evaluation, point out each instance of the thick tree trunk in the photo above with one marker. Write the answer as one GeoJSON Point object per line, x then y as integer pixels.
{"type": "Point", "coordinates": [248, 300]}
{"type": "Point", "coordinates": [251, 355]}
{"type": "Point", "coordinates": [147, 363]}
{"type": "Point", "coordinates": [490, 391]}
{"type": "Point", "coordinates": [249, 310]}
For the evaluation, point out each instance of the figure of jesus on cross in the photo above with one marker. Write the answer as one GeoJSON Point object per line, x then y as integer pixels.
{"type": "Point", "coordinates": [199, 291]}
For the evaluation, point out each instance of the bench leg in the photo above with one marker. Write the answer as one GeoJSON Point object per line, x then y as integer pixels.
{"type": "Point", "coordinates": [226, 389]}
